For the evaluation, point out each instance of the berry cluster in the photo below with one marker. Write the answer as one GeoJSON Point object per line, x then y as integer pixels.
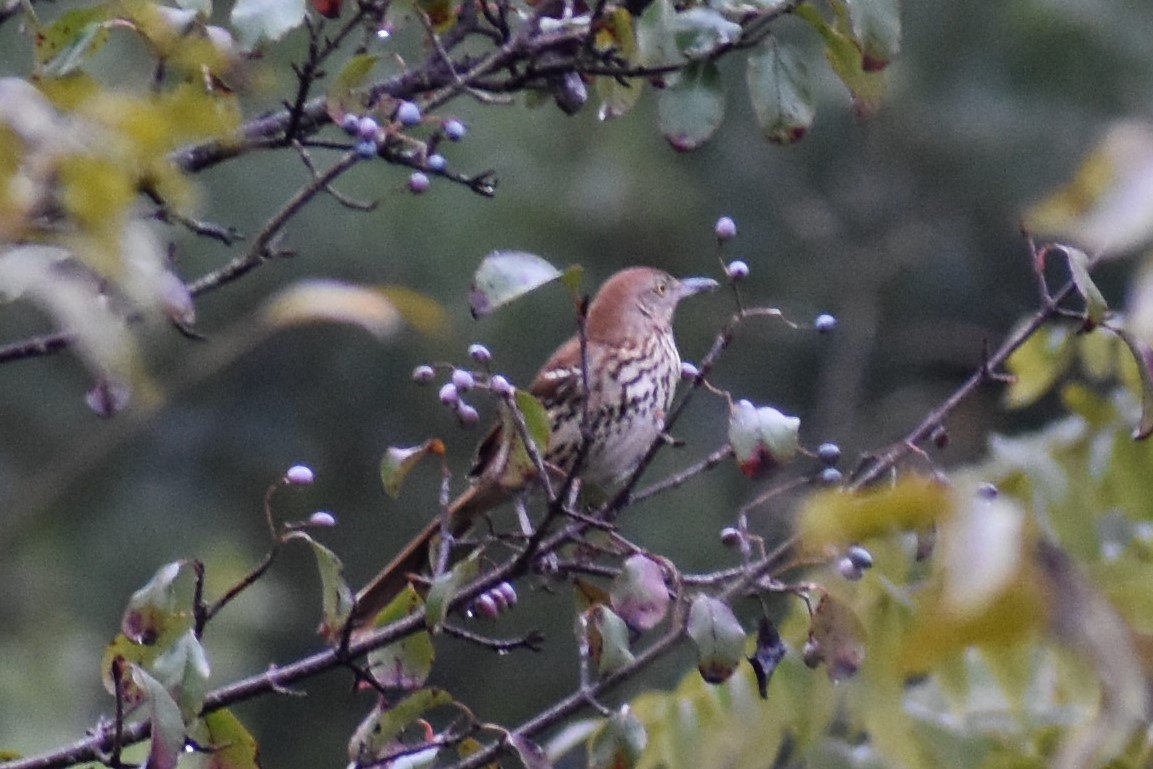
{"type": "Point", "coordinates": [371, 137]}
{"type": "Point", "coordinates": [493, 602]}
{"type": "Point", "coordinates": [462, 381]}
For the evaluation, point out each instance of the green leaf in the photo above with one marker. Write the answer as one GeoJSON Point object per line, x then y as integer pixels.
{"type": "Point", "coordinates": [377, 733]}
{"type": "Point", "coordinates": [399, 462]}
{"type": "Point", "coordinates": [608, 639]}
{"type": "Point", "coordinates": [617, 97]}
{"type": "Point", "coordinates": [257, 20]}
{"type": "Point", "coordinates": [341, 97]}
{"type": "Point", "coordinates": [778, 79]}
{"type": "Point", "coordinates": [445, 587]}
{"type": "Point", "coordinates": [183, 670]}
{"type": "Point", "coordinates": [619, 742]}
{"type": "Point", "coordinates": [228, 744]}
{"type": "Point", "coordinates": [507, 275]}
{"type": "Point", "coordinates": [163, 607]}
{"type": "Point", "coordinates": [656, 46]}
{"type": "Point", "coordinates": [65, 44]}
{"type": "Point", "coordinates": [867, 88]}
{"type": "Point", "coordinates": [719, 638]}
{"type": "Point", "coordinates": [700, 31]}
{"type": "Point", "coordinates": [331, 301]}
{"type": "Point", "coordinates": [692, 107]}
{"type": "Point", "coordinates": [639, 594]}
{"type": "Point", "coordinates": [337, 598]}
{"type": "Point", "coordinates": [167, 731]}
{"type": "Point", "coordinates": [876, 26]}
{"type": "Point", "coordinates": [1037, 364]}
{"type": "Point", "coordinates": [762, 438]}
{"type": "Point", "coordinates": [1143, 356]}
{"type": "Point", "coordinates": [403, 664]}
{"type": "Point", "coordinates": [1096, 308]}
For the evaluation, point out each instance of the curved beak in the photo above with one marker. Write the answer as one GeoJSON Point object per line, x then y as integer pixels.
{"type": "Point", "coordinates": [690, 286]}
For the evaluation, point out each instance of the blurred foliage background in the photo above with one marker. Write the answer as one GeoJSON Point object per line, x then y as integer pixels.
{"type": "Point", "coordinates": [905, 226]}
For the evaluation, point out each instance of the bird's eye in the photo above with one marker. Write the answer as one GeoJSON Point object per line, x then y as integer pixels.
{"type": "Point", "coordinates": [661, 287]}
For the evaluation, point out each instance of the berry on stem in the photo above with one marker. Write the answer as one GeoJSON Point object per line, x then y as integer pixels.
{"type": "Point", "coordinates": [408, 114]}
{"type": "Point", "coordinates": [500, 386]}
{"type": "Point", "coordinates": [462, 380]}
{"type": "Point", "coordinates": [436, 162]}
{"type": "Point", "coordinates": [423, 374]}
{"type": "Point", "coordinates": [737, 270]}
{"type": "Point", "coordinates": [467, 415]}
{"type": "Point", "coordinates": [454, 130]}
{"type": "Point", "coordinates": [726, 229]}
{"type": "Point", "coordinates": [829, 453]}
{"type": "Point", "coordinates": [299, 475]}
{"type": "Point", "coordinates": [418, 183]}
{"type": "Point", "coordinates": [479, 353]}
{"type": "Point", "coordinates": [448, 395]}
{"type": "Point", "coordinates": [367, 128]}
{"type": "Point", "coordinates": [825, 323]}
{"type": "Point", "coordinates": [322, 518]}
{"type": "Point", "coordinates": [366, 148]}
{"type": "Point", "coordinates": [350, 124]}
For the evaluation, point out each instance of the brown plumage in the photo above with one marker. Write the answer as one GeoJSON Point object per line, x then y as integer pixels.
{"type": "Point", "coordinates": [633, 368]}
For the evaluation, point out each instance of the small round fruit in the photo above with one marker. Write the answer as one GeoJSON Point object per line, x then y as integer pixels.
{"type": "Point", "coordinates": [689, 371]}
{"type": "Point", "coordinates": [849, 570]}
{"type": "Point", "coordinates": [350, 124]}
{"type": "Point", "coordinates": [830, 476]}
{"type": "Point", "coordinates": [454, 130]}
{"type": "Point", "coordinates": [299, 475]}
{"type": "Point", "coordinates": [423, 374]}
{"type": "Point", "coordinates": [860, 557]}
{"type": "Point", "coordinates": [737, 270]}
{"type": "Point", "coordinates": [367, 128]}
{"type": "Point", "coordinates": [408, 114]}
{"type": "Point", "coordinates": [726, 229]}
{"type": "Point", "coordinates": [366, 148]}
{"type": "Point", "coordinates": [825, 323]}
{"type": "Point", "coordinates": [730, 536]}
{"type": "Point", "coordinates": [500, 386]}
{"type": "Point", "coordinates": [418, 183]}
{"type": "Point", "coordinates": [436, 162]}
{"type": "Point", "coordinates": [448, 395]}
{"type": "Point", "coordinates": [467, 415]}
{"type": "Point", "coordinates": [479, 353]}
{"type": "Point", "coordinates": [829, 454]}
{"type": "Point", "coordinates": [323, 519]}
{"type": "Point", "coordinates": [463, 380]}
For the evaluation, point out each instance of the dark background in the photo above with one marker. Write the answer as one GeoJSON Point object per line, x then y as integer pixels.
{"type": "Point", "coordinates": [904, 226]}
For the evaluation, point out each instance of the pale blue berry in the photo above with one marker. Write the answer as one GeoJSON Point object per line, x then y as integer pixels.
{"type": "Point", "coordinates": [454, 130]}
{"type": "Point", "coordinates": [408, 114]}
{"type": "Point", "coordinates": [726, 229]}
{"type": "Point", "coordinates": [299, 475]}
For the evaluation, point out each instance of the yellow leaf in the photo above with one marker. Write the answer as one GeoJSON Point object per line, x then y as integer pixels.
{"type": "Point", "coordinates": [838, 518]}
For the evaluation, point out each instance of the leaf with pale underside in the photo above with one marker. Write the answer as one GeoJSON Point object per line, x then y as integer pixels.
{"type": "Point", "coordinates": [398, 462]}
{"type": "Point", "coordinates": [507, 275]}
{"type": "Point", "coordinates": [719, 638]}
{"type": "Point", "coordinates": [337, 598]}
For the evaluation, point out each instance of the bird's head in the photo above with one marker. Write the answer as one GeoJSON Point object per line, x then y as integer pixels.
{"type": "Point", "coordinates": [640, 300]}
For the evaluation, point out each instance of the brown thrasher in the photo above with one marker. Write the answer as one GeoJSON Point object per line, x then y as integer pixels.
{"type": "Point", "coordinates": [633, 367]}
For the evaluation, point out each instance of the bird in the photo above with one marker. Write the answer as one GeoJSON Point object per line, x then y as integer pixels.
{"type": "Point", "coordinates": [633, 367]}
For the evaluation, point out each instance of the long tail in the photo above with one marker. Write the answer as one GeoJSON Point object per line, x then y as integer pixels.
{"type": "Point", "coordinates": [414, 558]}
